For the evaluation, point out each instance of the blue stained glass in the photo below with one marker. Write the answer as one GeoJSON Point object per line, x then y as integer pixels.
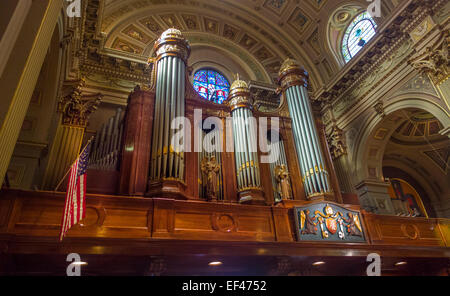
{"type": "Point", "coordinates": [211, 78]}
{"type": "Point", "coordinates": [358, 33]}
{"type": "Point", "coordinates": [201, 76]}
{"type": "Point", "coordinates": [202, 89]}
{"type": "Point", "coordinates": [222, 94]}
{"type": "Point", "coordinates": [211, 92]}
{"type": "Point", "coordinates": [211, 85]}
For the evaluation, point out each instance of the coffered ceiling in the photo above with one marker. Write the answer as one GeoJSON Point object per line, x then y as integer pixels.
{"type": "Point", "coordinates": [265, 31]}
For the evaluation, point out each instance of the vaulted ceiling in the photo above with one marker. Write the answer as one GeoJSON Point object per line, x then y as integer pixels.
{"type": "Point", "coordinates": [261, 33]}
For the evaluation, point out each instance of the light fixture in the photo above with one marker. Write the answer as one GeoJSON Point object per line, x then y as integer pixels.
{"type": "Point", "coordinates": [79, 263]}
{"type": "Point", "coordinates": [317, 263]}
{"type": "Point", "coordinates": [401, 263]}
{"type": "Point", "coordinates": [215, 263]}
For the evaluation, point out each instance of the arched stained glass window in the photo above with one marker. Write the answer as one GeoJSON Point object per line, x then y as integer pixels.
{"type": "Point", "coordinates": [358, 33]}
{"type": "Point", "coordinates": [211, 85]}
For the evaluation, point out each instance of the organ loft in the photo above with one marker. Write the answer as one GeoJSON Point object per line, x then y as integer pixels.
{"type": "Point", "coordinates": [265, 137]}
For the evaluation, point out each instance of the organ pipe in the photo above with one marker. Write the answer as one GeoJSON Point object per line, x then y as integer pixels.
{"type": "Point", "coordinates": [244, 133]}
{"type": "Point", "coordinates": [107, 144]}
{"type": "Point", "coordinates": [293, 79]}
{"type": "Point", "coordinates": [172, 51]}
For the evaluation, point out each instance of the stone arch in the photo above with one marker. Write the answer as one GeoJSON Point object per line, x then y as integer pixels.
{"type": "Point", "coordinates": [374, 149]}
{"type": "Point", "coordinates": [374, 122]}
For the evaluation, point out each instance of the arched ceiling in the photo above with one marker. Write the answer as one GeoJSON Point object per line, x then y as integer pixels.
{"type": "Point", "coordinates": [260, 32]}
{"type": "Point", "coordinates": [419, 128]}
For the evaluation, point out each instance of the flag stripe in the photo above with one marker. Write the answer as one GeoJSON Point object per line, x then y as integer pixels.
{"type": "Point", "coordinates": [75, 205]}
{"type": "Point", "coordinates": [67, 206]}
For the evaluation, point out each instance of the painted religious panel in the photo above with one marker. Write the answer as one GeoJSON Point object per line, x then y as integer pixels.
{"type": "Point", "coordinates": [405, 199]}
{"type": "Point", "coordinates": [328, 222]}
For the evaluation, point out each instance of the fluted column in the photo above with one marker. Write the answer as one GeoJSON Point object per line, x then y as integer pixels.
{"type": "Point", "coordinates": [245, 144]}
{"type": "Point", "coordinates": [75, 110]}
{"type": "Point", "coordinates": [293, 80]}
{"type": "Point", "coordinates": [168, 164]}
{"type": "Point", "coordinates": [18, 78]}
{"type": "Point", "coordinates": [434, 62]}
{"type": "Point", "coordinates": [338, 152]}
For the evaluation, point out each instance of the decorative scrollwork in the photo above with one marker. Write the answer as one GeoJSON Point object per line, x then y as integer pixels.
{"type": "Point", "coordinates": [336, 143]}
{"type": "Point", "coordinates": [435, 61]}
{"type": "Point", "coordinates": [76, 107]}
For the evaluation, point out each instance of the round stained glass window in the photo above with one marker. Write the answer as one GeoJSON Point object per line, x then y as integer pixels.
{"type": "Point", "coordinates": [358, 33]}
{"type": "Point", "coordinates": [211, 85]}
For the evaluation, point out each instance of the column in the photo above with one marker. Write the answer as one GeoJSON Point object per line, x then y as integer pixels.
{"type": "Point", "coordinates": [20, 74]}
{"type": "Point", "coordinates": [293, 79]}
{"type": "Point", "coordinates": [338, 151]}
{"type": "Point", "coordinates": [433, 61]}
{"type": "Point", "coordinates": [75, 109]}
{"type": "Point", "coordinates": [245, 144]}
{"type": "Point", "coordinates": [167, 168]}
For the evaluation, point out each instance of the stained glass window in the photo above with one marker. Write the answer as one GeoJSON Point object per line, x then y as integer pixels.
{"type": "Point", "coordinates": [358, 33]}
{"type": "Point", "coordinates": [211, 85]}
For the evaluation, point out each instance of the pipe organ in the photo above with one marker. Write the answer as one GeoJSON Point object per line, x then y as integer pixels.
{"type": "Point", "coordinates": [245, 143]}
{"type": "Point", "coordinates": [172, 53]}
{"type": "Point", "coordinates": [107, 144]}
{"type": "Point", "coordinates": [293, 79]}
{"type": "Point", "coordinates": [141, 150]}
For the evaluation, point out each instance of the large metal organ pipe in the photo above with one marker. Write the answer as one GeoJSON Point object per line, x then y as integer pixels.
{"type": "Point", "coordinates": [172, 51]}
{"type": "Point", "coordinates": [245, 141]}
{"type": "Point", "coordinates": [293, 79]}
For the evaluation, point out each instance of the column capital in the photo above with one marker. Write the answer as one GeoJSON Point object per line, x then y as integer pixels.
{"type": "Point", "coordinates": [172, 43]}
{"type": "Point", "coordinates": [76, 107]}
{"type": "Point", "coordinates": [336, 142]}
{"type": "Point", "coordinates": [435, 60]}
{"type": "Point", "coordinates": [291, 74]}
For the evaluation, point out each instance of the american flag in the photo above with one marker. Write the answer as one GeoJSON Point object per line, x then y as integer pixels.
{"type": "Point", "coordinates": [74, 209]}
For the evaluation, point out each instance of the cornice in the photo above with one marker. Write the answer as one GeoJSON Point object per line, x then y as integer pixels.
{"type": "Point", "coordinates": [390, 39]}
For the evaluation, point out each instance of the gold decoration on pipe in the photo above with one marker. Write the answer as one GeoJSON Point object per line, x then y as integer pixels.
{"type": "Point", "coordinates": [172, 43]}
{"type": "Point", "coordinates": [291, 74]}
{"type": "Point", "coordinates": [239, 95]}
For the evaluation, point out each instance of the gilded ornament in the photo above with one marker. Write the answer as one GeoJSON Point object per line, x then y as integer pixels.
{"type": "Point", "coordinates": [239, 95]}
{"type": "Point", "coordinates": [291, 74]}
{"type": "Point", "coordinates": [172, 43]}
